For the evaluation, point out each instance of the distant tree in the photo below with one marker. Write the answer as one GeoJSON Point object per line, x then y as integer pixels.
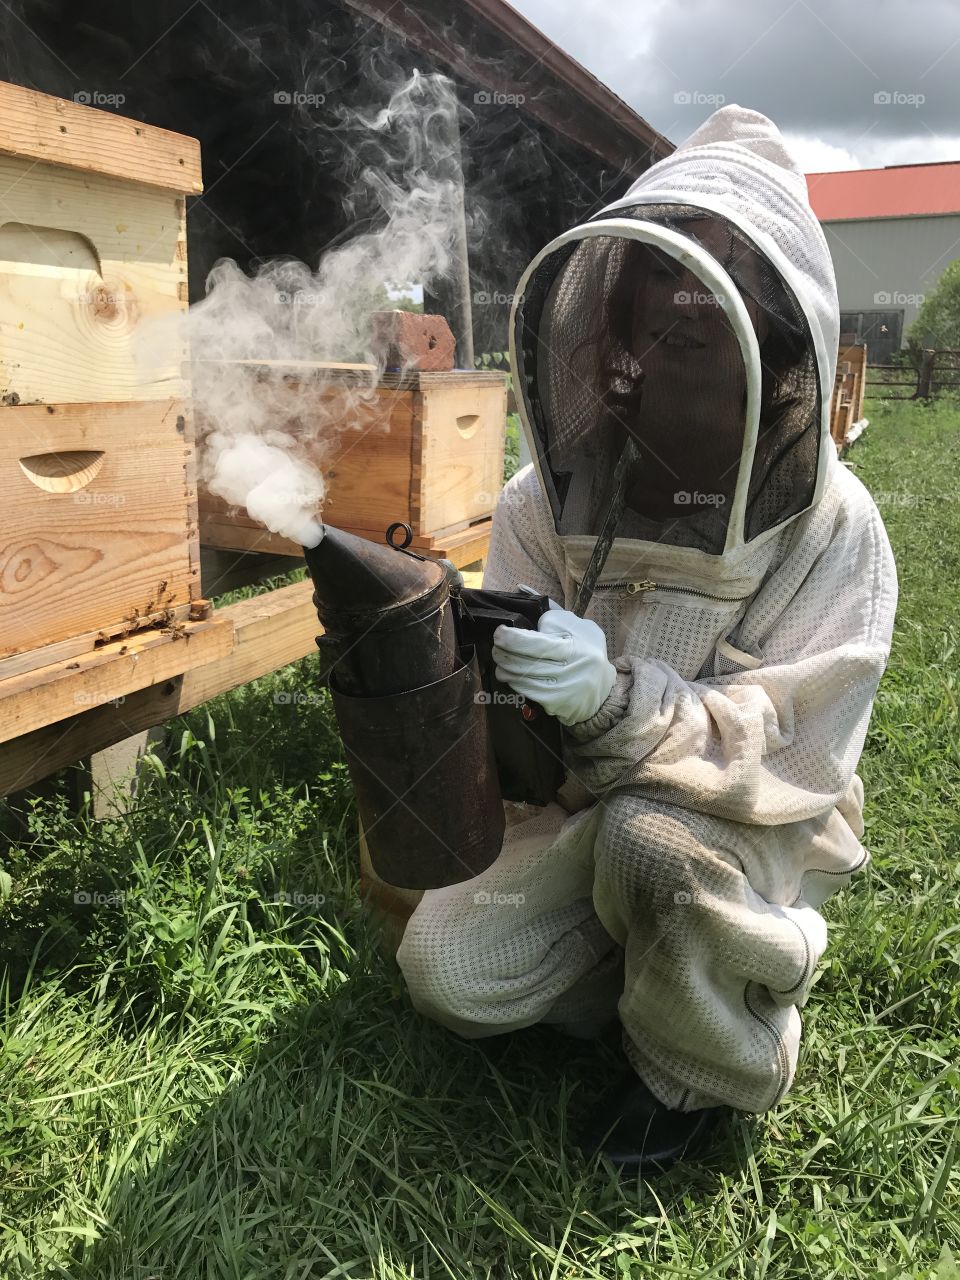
{"type": "Point", "coordinates": [401, 300]}
{"type": "Point", "coordinates": [383, 297]}
{"type": "Point", "coordinates": [937, 323]}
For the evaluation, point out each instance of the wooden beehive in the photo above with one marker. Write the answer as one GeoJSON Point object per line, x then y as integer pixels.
{"type": "Point", "coordinates": [846, 408]}
{"type": "Point", "coordinates": [424, 448]}
{"type": "Point", "coordinates": [97, 475]}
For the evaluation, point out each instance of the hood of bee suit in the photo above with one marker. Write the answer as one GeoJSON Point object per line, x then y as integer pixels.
{"type": "Point", "coordinates": [698, 315]}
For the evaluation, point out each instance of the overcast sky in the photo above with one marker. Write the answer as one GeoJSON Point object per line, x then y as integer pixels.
{"type": "Point", "coordinates": [852, 83]}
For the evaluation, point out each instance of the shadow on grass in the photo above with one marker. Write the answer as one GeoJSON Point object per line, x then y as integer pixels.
{"type": "Point", "coordinates": [366, 1141]}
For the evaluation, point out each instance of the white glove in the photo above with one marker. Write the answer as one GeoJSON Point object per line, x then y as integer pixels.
{"type": "Point", "coordinates": [563, 665]}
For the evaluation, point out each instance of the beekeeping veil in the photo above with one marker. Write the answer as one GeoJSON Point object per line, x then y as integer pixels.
{"type": "Point", "coordinates": [698, 315]}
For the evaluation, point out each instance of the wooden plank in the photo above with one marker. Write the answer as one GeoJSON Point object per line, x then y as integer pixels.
{"type": "Point", "coordinates": [414, 380]}
{"type": "Point", "coordinates": [112, 672]}
{"type": "Point", "coordinates": [331, 372]}
{"type": "Point", "coordinates": [37, 126]}
{"type": "Point", "coordinates": [224, 532]}
{"type": "Point", "coordinates": [267, 632]}
{"type": "Point", "coordinates": [93, 278]}
{"type": "Point", "coordinates": [466, 547]}
{"type": "Point", "coordinates": [18, 663]}
{"type": "Point", "coordinates": [80, 561]}
{"type": "Point", "coordinates": [463, 547]}
{"type": "Point", "coordinates": [452, 538]}
{"type": "Point", "coordinates": [368, 472]}
{"type": "Point", "coordinates": [300, 368]}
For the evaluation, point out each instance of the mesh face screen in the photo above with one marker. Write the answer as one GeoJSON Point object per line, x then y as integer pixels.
{"type": "Point", "coordinates": [615, 336]}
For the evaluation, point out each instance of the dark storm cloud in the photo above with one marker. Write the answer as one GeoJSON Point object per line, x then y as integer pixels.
{"type": "Point", "coordinates": [816, 68]}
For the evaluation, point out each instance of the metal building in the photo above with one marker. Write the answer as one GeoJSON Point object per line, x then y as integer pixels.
{"type": "Point", "coordinates": [891, 232]}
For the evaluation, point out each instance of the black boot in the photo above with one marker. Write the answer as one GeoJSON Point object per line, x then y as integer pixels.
{"type": "Point", "coordinates": [635, 1131]}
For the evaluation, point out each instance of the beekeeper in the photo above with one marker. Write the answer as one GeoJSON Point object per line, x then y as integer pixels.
{"type": "Point", "coordinates": [716, 697]}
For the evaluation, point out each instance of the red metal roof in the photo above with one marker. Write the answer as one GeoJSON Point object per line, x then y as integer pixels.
{"type": "Point", "coordinates": [900, 191]}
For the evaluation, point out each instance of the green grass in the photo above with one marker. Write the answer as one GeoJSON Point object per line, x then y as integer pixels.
{"type": "Point", "coordinates": [198, 1080]}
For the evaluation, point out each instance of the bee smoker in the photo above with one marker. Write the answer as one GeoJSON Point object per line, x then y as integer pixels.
{"type": "Point", "coordinates": [433, 742]}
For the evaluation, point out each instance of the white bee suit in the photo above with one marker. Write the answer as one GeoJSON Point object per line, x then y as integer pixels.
{"type": "Point", "coordinates": [714, 797]}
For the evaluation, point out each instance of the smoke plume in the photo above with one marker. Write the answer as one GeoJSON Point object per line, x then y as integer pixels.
{"type": "Point", "coordinates": [267, 411]}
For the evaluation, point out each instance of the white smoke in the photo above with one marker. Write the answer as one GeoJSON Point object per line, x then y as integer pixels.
{"type": "Point", "coordinates": [266, 413]}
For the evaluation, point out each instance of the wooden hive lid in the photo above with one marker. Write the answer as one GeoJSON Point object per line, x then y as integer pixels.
{"type": "Point", "coordinates": [37, 126]}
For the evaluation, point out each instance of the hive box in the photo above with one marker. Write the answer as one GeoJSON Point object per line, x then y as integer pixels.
{"type": "Point", "coordinates": [423, 448]}
{"type": "Point", "coordinates": [97, 475]}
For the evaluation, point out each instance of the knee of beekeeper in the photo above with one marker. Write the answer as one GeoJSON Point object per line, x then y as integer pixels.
{"type": "Point", "coordinates": [439, 956]}
{"type": "Point", "coordinates": [656, 857]}
{"type": "Point", "coordinates": [426, 950]}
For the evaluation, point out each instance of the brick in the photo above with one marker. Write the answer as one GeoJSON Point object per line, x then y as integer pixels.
{"type": "Point", "coordinates": [410, 341]}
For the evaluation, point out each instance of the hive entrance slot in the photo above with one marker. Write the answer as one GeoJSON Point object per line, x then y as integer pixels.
{"type": "Point", "coordinates": [45, 247]}
{"type": "Point", "coordinates": [63, 472]}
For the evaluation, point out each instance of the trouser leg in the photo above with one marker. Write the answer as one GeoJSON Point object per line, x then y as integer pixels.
{"type": "Point", "coordinates": [708, 918]}
{"type": "Point", "coordinates": [715, 971]}
{"type": "Point", "coordinates": [521, 942]}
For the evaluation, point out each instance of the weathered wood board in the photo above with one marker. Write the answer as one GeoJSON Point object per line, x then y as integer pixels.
{"type": "Point", "coordinates": [37, 126]}
{"type": "Point", "coordinates": [106, 704]}
{"type": "Point", "coordinates": [98, 509]}
{"type": "Point", "coordinates": [108, 674]}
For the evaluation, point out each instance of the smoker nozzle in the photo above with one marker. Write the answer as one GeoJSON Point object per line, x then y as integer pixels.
{"type": "Point", "coordinates": [388, 627]}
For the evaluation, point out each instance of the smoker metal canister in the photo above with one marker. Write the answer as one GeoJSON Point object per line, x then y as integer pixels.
{"type": "Point", "coordinates": [386, 618]}
{"type": "Point", "coordinates": [424, 776]}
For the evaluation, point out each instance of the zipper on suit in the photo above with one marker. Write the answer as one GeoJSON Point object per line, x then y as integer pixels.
{"type": "Point", "coordinates": [635, 588]}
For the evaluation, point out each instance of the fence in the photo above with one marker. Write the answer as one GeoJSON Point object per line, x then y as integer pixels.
{"type": "Point", "coordinates": [936, 370]}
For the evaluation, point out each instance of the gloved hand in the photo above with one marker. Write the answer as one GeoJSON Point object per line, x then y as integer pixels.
{"type": "Point", "coordinates": [563, 665]}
